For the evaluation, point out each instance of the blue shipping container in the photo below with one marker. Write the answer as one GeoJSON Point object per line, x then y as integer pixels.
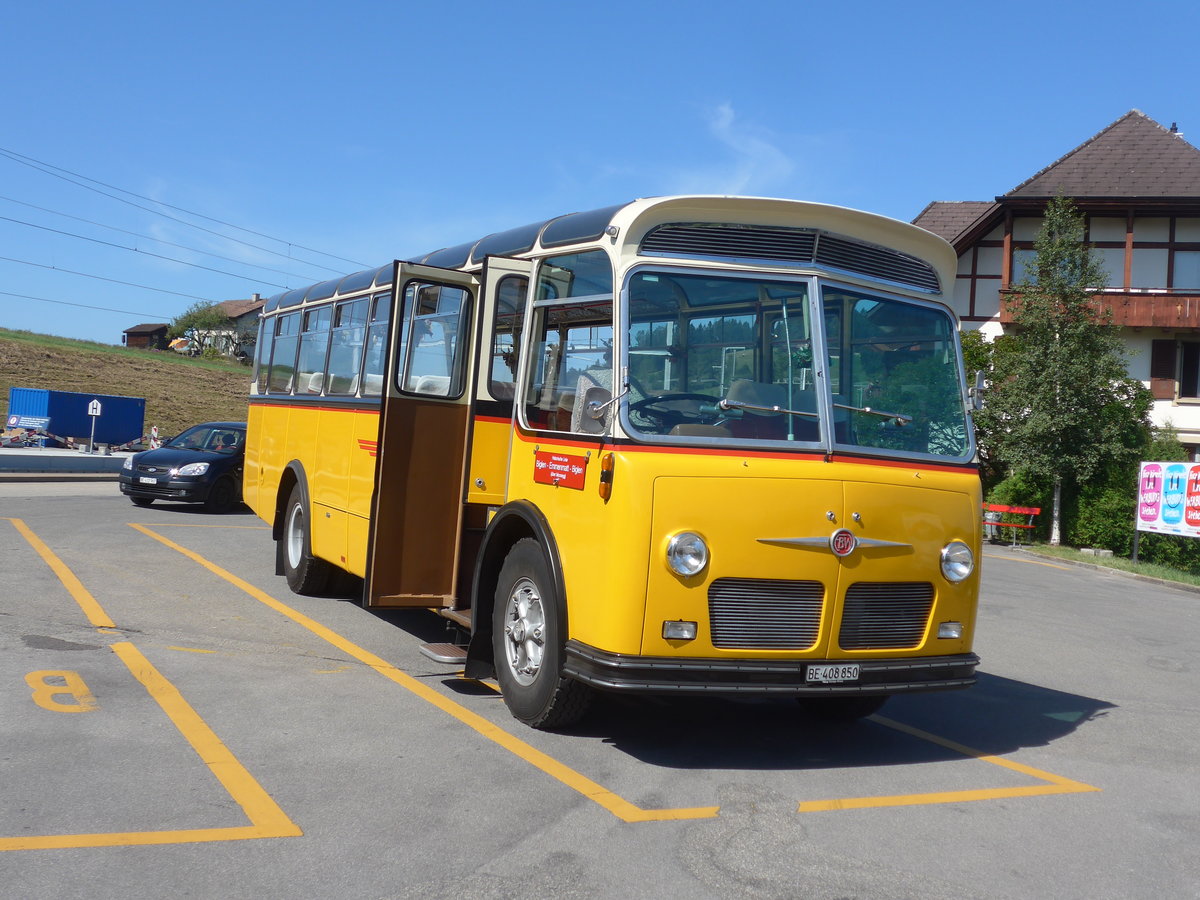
{"type": "Point", "coordinates": [121, 419]}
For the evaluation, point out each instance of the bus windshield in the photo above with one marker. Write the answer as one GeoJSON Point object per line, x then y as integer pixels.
{"type": "Point", "coordinates": [733, 358]}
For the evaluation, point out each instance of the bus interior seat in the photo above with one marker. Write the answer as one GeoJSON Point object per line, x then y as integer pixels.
{"type": "Point", "coordinates": [770, 425]}
{"type": "Point", "coordinates": [502, 390]}
{"type": "Point", "coordinates": [433, 385]}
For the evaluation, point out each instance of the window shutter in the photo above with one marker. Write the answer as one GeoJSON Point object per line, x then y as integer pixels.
{"type": "Point", "coordinates": [1162, 369]}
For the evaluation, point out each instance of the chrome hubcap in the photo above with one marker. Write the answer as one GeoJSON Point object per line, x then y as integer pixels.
{"type": "Point", "coordinates": [524, 631]}
{"type": "Point", "coordinates": [295, 536]}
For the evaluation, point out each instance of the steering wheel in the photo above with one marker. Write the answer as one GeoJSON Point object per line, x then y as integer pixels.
{"type": "Point", "coordinates": [652, 407]}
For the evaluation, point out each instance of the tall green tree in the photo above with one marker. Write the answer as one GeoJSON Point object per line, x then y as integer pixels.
{"type": "Point", "coordinates": [1061, 407]}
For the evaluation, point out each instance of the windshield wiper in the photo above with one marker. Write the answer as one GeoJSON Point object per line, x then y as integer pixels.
{"type": "Point", "coordinates": [901, 418]}
{"type": "Point", "coordinates": [738, 404]}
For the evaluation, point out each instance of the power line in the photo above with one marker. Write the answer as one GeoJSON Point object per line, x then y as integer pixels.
{"type": "Point", "coordinates": [182, 262]}
{"type": "Point", "coordinates": [143, 287]}
{"type": "Point", "coordinates": [148, 237]}
{"type": "Point", "coordinates": [46, 168]}
{"type": "Point", "coordinates": [124, 312]}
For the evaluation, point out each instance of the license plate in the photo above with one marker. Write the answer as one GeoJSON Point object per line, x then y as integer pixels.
{"type": "Point", "coordinates": [833, 674]}
{"type": "Point", "coordinates": [145, 480]}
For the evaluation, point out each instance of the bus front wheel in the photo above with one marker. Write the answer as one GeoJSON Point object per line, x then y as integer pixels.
{"type": "Point", "coordinates": [528, 639]}
{"type": "Point", "coordinates": [305, 573]}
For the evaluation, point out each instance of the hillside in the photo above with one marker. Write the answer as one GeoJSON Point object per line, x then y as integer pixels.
{"type": "Point", "coordinates": [179, 391]}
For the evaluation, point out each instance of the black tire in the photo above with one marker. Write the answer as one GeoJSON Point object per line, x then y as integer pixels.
{"type": "Point", "coordinates": [305, 573]}
{"type": "Point", "coordinates": [528, 643]}
{"type": "Point", "coordinates": [841, 709]}
{"type": "Point", "coordinates": [142, 501]}
{"type": "Point", "coordinates": [221, 496]}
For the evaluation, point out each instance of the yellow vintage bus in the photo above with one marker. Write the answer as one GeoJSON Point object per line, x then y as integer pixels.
{"type": "Point", "coordinates": [684, 444]}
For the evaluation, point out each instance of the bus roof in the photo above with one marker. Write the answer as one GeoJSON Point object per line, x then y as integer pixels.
{"type": "Point", "coordinates": [918, 258]}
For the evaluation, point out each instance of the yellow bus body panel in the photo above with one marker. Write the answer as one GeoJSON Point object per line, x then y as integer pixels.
{"type": "Point", "coordinates": [336, 449]}
{"type": "Point", "coordinates": [620, 589]}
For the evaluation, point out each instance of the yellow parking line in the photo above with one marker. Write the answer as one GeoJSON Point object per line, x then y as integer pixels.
{"type": "Point", "coordinates": [597, 793]}
{"type": "Point", "coordinates": [95, 614]}
{"type": "Point", "coordinates": [266, 817]}
{"type": "Point", "coordinates": [207, 525]}
{"type": "Point", "coordinates": [615, 804]}
{"type": "Point", "coordinates": [1052, 784]}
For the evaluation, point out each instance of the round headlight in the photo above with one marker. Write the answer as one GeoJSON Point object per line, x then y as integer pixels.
{"type": "Point", "coordinates": [687, 554]}
{"type": "Point", "coordinates": [958, 562]}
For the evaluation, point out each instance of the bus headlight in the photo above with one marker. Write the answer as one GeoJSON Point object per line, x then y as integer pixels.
{"type": "Point", "coordinates": [687, 554]}
{"type": "Point", "coordinates": [958, 562]}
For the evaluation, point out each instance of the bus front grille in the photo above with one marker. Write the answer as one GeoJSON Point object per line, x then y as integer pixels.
{"type": "Point", "coordinates": [885, 614]}
{"type": "Point", "coordinates": [764, 613]}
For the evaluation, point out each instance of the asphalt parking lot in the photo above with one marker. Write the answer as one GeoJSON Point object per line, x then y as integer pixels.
{"type": "Point", "coordinates": [176, 723]}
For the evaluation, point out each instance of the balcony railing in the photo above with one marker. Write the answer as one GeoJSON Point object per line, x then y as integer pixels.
{"type": "Point", "coordinates": [1137, 307]}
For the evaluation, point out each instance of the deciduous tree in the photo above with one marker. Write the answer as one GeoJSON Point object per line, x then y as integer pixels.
{"type": "Point", "coordinates": [1061, 406]}
{"type": "Point", "coordinates": [201, 323]}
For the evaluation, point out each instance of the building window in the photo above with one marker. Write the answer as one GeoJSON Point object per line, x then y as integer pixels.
{"type": "Point", "coordinates": [1189, 370]}
{"type": "Point", "coordinates": [1175, 370]}
{"type": "Point", "coordinates": [1187, 269]}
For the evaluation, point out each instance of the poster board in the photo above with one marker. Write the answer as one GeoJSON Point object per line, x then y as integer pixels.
{"type": "Point", "coordinates": [1169, 498]}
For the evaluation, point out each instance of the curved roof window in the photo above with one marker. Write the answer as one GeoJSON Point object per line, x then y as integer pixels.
{"type": "Point", "coordinates": [450, 257]}
{"type": "Point", "coordinates": [582, 226]}
{"type": "Point", "coordinates": [292, 298]}
{"type": "Point", "coordinates": [506, 243]}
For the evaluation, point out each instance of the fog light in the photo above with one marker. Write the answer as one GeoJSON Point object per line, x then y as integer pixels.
{"type": "Point", "coordinates": [950, 630]}
{"type": "Point", "coordinates": [687, 554]}
{"type": "Point", "coordinates": [679, 631]}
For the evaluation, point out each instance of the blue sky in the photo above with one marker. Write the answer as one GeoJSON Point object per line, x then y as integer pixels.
{"type": "Point", "coordinates": [372, 130]}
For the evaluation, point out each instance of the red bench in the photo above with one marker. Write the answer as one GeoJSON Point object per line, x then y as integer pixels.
{"type": "Point", "coordinates": [999, 509]}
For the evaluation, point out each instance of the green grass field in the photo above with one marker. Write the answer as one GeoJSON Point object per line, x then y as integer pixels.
{"type": "Point", "coordinates": [179, 391]}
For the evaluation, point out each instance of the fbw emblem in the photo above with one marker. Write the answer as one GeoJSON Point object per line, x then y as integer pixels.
{"type": "Point", "coordinates": [842, 542]}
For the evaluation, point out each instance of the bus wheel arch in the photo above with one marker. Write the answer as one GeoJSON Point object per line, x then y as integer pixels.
{"type": "Point", "coordinates": [519, 567]}
{"type": "Point", "coordinates": [305, 573]}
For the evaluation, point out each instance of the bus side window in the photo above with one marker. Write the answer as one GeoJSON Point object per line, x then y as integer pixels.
{"type": "Point", "coordinates": [433, 350]}
{"type": "Point", "coordinates": [314, 347]}
{"type": "Point", "coordinates": [571, 340]}
{"type": "Point", "coordinates": [376, 349]}
{"type": "Point", "coordinates": [262, 353]}
{"type": "Point", "coordinates": [508, 318]}
{"type": "Point", "coordinates": [572, 346]}
{"type": "Point", "coordinates": [283, 354]}
{"type": "Point", "coordinates": [345, 352]}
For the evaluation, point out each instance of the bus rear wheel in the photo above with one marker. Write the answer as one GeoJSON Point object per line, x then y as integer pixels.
{"type": "Point", "coordinates": [528, 642]}
{"type": "Point", "coordinates": [305, 573]}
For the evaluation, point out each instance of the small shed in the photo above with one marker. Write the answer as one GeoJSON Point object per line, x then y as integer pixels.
{"type": "Point", "coordinates": [148, 336]}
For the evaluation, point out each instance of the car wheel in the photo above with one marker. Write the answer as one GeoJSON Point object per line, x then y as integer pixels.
{"type": "Point", "coordinates": [221, 496]}
{"type": "Point", "coordinates": [528, 643]}
{"type": "Point", "coordinates": [142, 501]}
{"type": "Point", "coordinates": [305, 573]}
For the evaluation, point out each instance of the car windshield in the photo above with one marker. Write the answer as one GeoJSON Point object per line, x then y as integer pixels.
{"type": "Point", "coordinates": [214, 438]}
{"type": "Point", "coordinates": [736, 359]}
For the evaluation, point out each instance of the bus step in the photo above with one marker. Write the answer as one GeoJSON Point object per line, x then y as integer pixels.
{"type": "Point", "coordinates": [450, 654]}
{"type": "Point", "coordinates": [457, 616]}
